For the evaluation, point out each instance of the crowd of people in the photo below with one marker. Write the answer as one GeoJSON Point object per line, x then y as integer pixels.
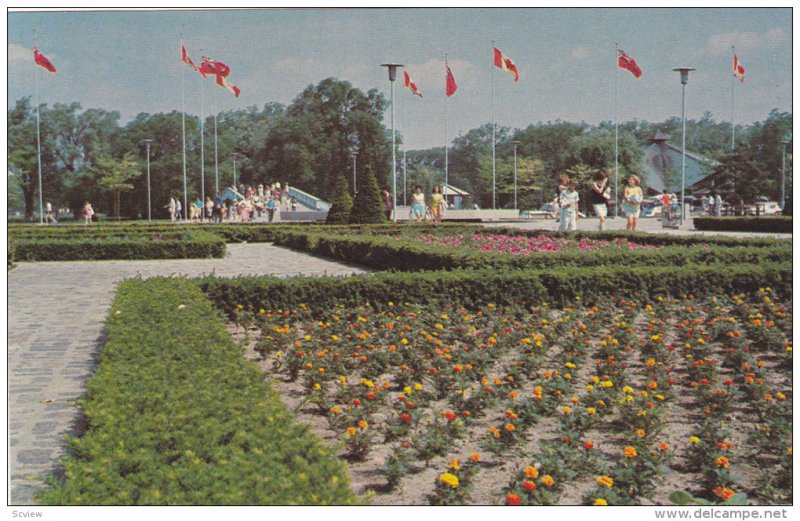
{"type": "Point", "coordinates": [421, 211]}
{"type": "Point", "coordinates": [264, 200]}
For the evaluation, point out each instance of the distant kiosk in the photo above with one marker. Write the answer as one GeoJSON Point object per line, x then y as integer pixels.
{"type": "Point", "coordinates": [454, 196]}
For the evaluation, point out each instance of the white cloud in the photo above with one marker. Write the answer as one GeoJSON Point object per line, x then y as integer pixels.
{"type": "Point", "coordinates": [579, 53]}
{"type": "Point", "coordinates": [775, 36]}
{"type": "Point", "coordinates": [18, 53]}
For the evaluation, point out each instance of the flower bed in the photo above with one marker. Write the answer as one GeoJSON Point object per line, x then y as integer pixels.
{"type": "Point", "coordinates": [528, 245]}
{"type": "Point", "coordinates": [176, 416]}
{"type": "Point", "coordinates": [614, 402]}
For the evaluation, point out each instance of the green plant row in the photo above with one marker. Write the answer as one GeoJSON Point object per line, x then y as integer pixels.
{"type": "Point", "coordinates": [781, 224]}
{"type": "Point", "coordinates": [180, 245]}
{"type": "Point", "coordinates": [176, 416]}
{"type": "Point", "coordinates": [473, 288]}
{"type": "Point", "coordinates": [411, 255]}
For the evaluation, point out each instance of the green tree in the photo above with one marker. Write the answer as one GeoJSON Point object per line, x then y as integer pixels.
{"type": "Point", "coordinates": [368, 204]}
{"type": "Point", "coordinates": [115, 176]}
{"type": "Point", "coordinates": [342, 203]}
{"type": "Point", "coordinates": [740, 178]}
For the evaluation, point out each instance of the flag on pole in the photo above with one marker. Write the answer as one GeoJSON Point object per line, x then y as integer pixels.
{"type": "Point", "coordinates": [222, 82]}
{"type": "Point", "coordinates": [503, 62]}
{"type": "Point", "coordinates": [188, 61]}
{"type": "Point", "coordinates": [738, 69]}
{"type": "Point", "coordinates": [42, 61]}
{"type": "Point", "coordinates": [451, 86]}
{"type": "Point", "coordinates": [625, 61]}
{"type": "Point", "coordinates": [410, 85]}
{"type": "Point", "coordinates": [209, 66]}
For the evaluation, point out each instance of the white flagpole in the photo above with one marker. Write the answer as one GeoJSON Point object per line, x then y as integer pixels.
{"type": "Point", "coordinates": [202, 143]}
{"type": "Point", "coordinates": [216, 164]}
{"type": "Point", "coordinates": [616, 130]}
{"type": "Point", "coordinates": [405, 108]}
{"type": "Point", "coordinates": [183, 128]}
{"type": "Point", "coordinates": [38, 141]}
{"type": "Point", "coordinates": [445, 120]}
{"type": "Point", "coordinates": [733, 124]}
{"type": "Point", "coordinates": [494, 172]}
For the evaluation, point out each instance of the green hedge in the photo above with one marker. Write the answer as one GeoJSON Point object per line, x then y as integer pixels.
{"type": "Point", "coordinates": [177, 416]}
{"type": "Point", "coordinates": [780, 224]}
{"type": "Point", "coordinates": [412, 255]}
{"type": "Point", "coordinates": [471, 288]}
{"type": "Point", "coordinates": [180, 245]}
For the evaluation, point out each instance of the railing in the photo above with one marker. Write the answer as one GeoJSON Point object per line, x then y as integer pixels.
{"type": "Point", "coordinates": [308, 200]}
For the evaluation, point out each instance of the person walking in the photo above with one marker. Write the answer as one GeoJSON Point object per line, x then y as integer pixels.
{"type": "Point", "coordinates": [418, 203]}
{"type": "Point", "coordinates": [437, 203]}
{"type": "Point", "coordinates": [88, 212]}
{"type": "Point", "coordinates": [387, 204]}
{"type": "Point", "coordinates": [568, 199]}
{"type": "Point", "coordinates": [170, 206]}
{"type": "Point", "coordinates": [717, 205]}
{"type": "Point", "coordinates": [49, 213]}
{"type": "Point", "coordinates": [632, 202]}
{"type": "Point", "coordinates": [600, 195]}
{"type": "Point", "coordinates": [665, 208]}
{"type": "Point", "coordinates": [209, 208]}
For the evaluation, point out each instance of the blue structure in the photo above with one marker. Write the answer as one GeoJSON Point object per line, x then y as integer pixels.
{"type": "Point", "coordinates": [661, 166]}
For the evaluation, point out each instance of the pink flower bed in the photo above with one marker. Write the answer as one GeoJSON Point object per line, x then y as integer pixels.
{"type": "Point", "coordinates": [521, 245]}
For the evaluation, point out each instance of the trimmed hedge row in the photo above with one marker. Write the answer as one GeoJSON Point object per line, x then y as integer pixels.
{"type": "Point", "coordinates": [778, 224]}
{"type": "Point", "coordinates": [411, 255]}
{"type": "Point", "coordinates": [471, 288]}
{"type": "Point", "coordinates": [177, 416]}
{"type": "Point", "coordinates": [185, 245]}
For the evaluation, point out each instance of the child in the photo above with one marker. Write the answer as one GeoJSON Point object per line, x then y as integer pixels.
{"type": "Point", "coordinates": [568, 199]}
{"type": "Point", "coordinates": [632, 202]}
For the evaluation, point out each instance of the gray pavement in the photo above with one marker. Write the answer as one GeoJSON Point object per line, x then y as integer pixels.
{"type": "Point", "coordinates": [56, 312]}
{"type": "Point", "coordinates": [648, 224]}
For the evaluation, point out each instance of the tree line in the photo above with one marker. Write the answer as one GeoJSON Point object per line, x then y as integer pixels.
{"type": "Point", "coordinates": [314, 142]}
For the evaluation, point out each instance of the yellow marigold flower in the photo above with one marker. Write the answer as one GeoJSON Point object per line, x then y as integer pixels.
{"type": "Point", "coordinates": [351, 431]}
{"type": "Point", "coordinates": [406, 390]}
{"type": "Point", "coordinates": [567, 376]}
{"type": "Point", "coordinates": [417, 387]}
{"type": "Point", "coordinates": [531, 472]}
{"type": "Point", "coordinates": [640, 433]}
{"type": "Point", "coordinates": [548, 481]}
{"type": "Point", "coordinates": [591, 410]}
{"type": "Point", "coordinates": [627, 389]}
{"type": "Point", "coordinates": [607, 384]}
{"type": "Point", "coordinates": [780, 396]}
{"type": "Point", "coordinates": [454, 464]}
{"type": "Point", "coordinates": [570, 365]}
{"type": "Point", "coordinates": [694, 439]}
{"type": "Point", "coordinates": [566, 410]}
{"type": "Point", "coordinates": [363, 425]}
{"type": "Point", "coordinates": [600, 502]}
{"type": "Point", "coordinates": [595, 379]}
{"type": "Point", "coordinates": [317, 387]}
{"type": "Point", "coordinates": [630, 452]}
{"type": "Point", "coordinates": [449, 479]}
{"type": "Point", "coordinates": [335, 410]}
{"type": "Point", "coordinates": [605, 481]}
{"type": "Point", "coordinates": [590, 388]}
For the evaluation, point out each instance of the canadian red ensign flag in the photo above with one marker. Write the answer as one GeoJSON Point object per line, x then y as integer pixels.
{"type": "Point", "coordinates": [188, 61]}
{"type": "Point", "coordinates": [209, 66]}
{"type": "Point", "coordinates": [503, 62]}
{"type": "Point", "coordinates": [738, 69]}
{"type": "Point", "coordinates": [42, 60]}
{"type": "Point", "coordinates": [410, 85]}
{"type": "Point", "coordinates": [450, 86]}
{"type": "Point", "coordinates": [626, 61]}
{"type": "Point", "coordinates": [222, 82]}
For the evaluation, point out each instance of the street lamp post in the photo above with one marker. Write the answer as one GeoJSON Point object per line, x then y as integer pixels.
{"type": "Point", "coordinates": [354, 156]}
{"type": "Point", "coordinates": [785, 141]}
{"type": "Point", "coordinates": [234, 169]}
{"type": "Point", "coordinates": [392, 67]}
{"type": "Point", "coordinates": [684, 80]}
{"type": "Point", "coordinates": [147, 144]}
{"type": "Point", "coordinates": [515, 143]}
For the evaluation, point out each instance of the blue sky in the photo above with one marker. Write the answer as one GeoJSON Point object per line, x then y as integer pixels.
{"type": "Point", "coordinates": [129, 61]}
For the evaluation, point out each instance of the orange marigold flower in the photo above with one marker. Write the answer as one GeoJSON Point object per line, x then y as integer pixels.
{"type": "Point", "coordinates": [475, 457]}
{"type": "Point", "coordinates": [588, 445]}
{"type": "Point", "coordinates": [630, 452]}
{"type": "Point", "coordinates": [351, 431]}
{"type": "Point", "coordinates": [510, 427]}
{"type": "Point", "coordinates": [663, 446]}
{"type": "Point", "coordinates": [548, 481]}
{"type": "Point", "coordinates": [531, 472]}
{"type": "Point", "coordinates": [640, 433]}
{"type": "Point", "coordinates": [363, 425]}
{"type": "Point", "coordinates": [605, 481]}
{"type": "Point", "coordinates": [722, 461]}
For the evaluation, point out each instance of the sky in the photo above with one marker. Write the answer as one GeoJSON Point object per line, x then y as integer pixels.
{"type": "Point", "coordinates": [129, 61]}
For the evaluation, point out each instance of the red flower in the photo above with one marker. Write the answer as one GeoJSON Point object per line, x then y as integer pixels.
{"type": "Point", "coordinates": [370, 396]}
{"type": "Point", "coordinates": [513, 500]}
{"type": "Point", "coordinates": [405, 418]}
{"type": "Point", "coordinates": [450, 415]}
{"type": "Point", "coordinates": [588, 445]}
{"type": "Point", "coordinates": [356, 402]}
{"type": "Point", "coordinates": [528, 486]}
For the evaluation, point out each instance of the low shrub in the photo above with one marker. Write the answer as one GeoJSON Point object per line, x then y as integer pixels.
{"type": "Point", "coordinates": [176, 416]}
{"type": "Point", "coordinates": [473, 288]}
{"type": "Point", "coordinates": [778, 224]}
{"type": "Point", "coordinates": [174, 245]}
{"type": "Point", "coordinates": [412, 255]}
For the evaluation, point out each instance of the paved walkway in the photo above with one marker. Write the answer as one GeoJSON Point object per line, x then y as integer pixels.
{"type": "Point", "coordinates": [56, 312]}
{"type": "Point", "coordinates": [649, 224]}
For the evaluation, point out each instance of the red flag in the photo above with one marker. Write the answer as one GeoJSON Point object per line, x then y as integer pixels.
{"type": "Point", "coordinates": [188, 61]}
{"type": "Point", "coordinates": [209, 66]}
{"type": "Point", "coordinates": [451, 86]}
{"type": "Point", "coordinates": [503, 62]}
{"type": "Point", "coordinates": [410, 85]}
{"type": "Point", "coordinates": [738, 69]}
{"type": "Point", "coordinates": [42, 60]}
{"type": "Point", "coordinates": [625, 61]}
{"type": "Point", "coordinates": [222, 82]}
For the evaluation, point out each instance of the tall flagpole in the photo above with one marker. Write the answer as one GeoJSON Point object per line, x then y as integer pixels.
{"type": "Point", "coordinates": [494, 172]}
{"type": "Point", "coordinates": [616, 130]}
{"type": "Point", "coordinates": [202, 144]}
{"type": "Point", "coordinates": [733, 124]}
{"type": "Point", "coordinates": [38, 141]}
{"type": "Point", "coordinates": [445, 123]}
{"type": "Point", "coordinates": [405, 108]}
{"type": "Point", "coordinates": [216, 164]}
{"type": "Point", "coordinates": [183, 127]}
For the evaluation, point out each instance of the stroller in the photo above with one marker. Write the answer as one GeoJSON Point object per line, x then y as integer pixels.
{"type": "Point", "coordinates": [672, 218]}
